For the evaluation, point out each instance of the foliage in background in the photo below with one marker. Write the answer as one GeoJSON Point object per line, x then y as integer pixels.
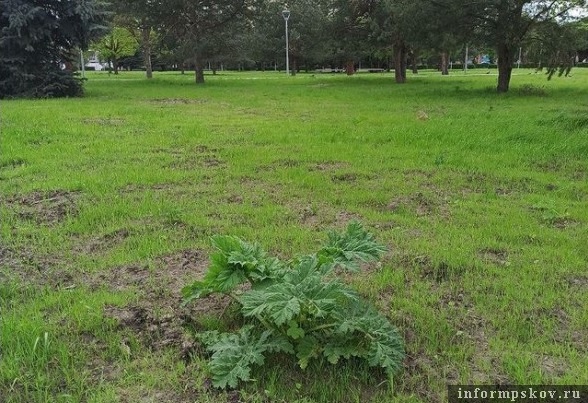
{"type": "Point", "coordinates": [37, 44]}
{"type": "Point", "coordinates": [504, 24]}
{"type": "Point", "coordinates": [298, 307]}
{"type": "Point", "coordinates": [555, 45]}
{"type": "Point", "coordinates": [197, 24]}
{"type": "Point", "coordinates": [117, 44]}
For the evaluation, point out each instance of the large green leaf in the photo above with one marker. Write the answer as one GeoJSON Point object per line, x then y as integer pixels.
{"type": "Point", "coordinates": [233, 263]}
{"type": "Point", "coordinates": [234, 354]}
{"type": "Point", "coordinates": [307, 349]}
{"type": "Point", "coordinates": [348, 248]}
{"type": "Point", "coordinates": [302, 291]}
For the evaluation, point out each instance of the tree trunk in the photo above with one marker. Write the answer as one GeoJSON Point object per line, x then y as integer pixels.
{"type": "Point", "coordinates": [444, 63]}
{"type": "Point", "coordinates": [294, 67]}
{"type": "Point", "coordinates": [400, 62]}
{"type": "Point", "coordinates": [349, 68]}
{"type": "Point", "coordinates": [506, 55]}
{"type": "Point", "coordinates": [415, 60]}
{"type": "Point", "coordinates": [145, 38]}
{"type": "Point", "coordinates": [198, 71]}
{"type": "Point", "coordinates": [115, 65]}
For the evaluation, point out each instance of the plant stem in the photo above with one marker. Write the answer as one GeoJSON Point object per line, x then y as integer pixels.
{"type": "Point", "coordinates": [325, 326]}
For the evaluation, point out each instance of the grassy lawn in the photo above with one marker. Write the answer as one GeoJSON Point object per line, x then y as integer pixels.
{"type": "Point", "coordinates": [107, 205]}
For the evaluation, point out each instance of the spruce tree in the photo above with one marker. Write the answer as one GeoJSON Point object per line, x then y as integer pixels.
{"type": "Point", "coordinates": [38, 43]}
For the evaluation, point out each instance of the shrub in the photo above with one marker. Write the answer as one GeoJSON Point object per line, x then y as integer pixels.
{"type": "Point", "coordinates": [298, 307]}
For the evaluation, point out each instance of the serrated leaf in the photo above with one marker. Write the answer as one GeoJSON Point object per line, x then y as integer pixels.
{"type": "Point", "coordinates": [274, 302]}
{"type": "Point", "coordinates": [246, 255]}
{"type": "Point", "coordinates": [238, 256]}
{"type": "Point", "coordinates": [196, 290]}
{"type": "Point", "coordinates": [342, 349]}
{"type": "Point", "coordinates": [294, 331]}
{"type": "Point", "coordinates": [347, 249]}
{"type": "Point", "coordinates": [386, 353]}
{"type": "Point", "coordinates": [267, 269]}
{"type": "Point", "coordinates": [280, 343]}
{"type": "Point", "coordinates": [235, 353]}
{"type": "Point", "coordinates": [307, 349]}
{"type": "Point", "coordinates": [225, 244]}
{"type": "Point", "coordinates": [228, 268]}
{"type": "Point", "coordinates": [382, 344]}
{"type": "Point", "coordinates": [227, 280]}
{"type": "Point", "coordinates": [332, 355]}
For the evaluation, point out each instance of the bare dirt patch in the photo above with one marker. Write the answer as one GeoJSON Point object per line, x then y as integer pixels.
{"type": "Point", "coordinates": [438, 272]}
{"type": "Point", "coordinates": [235, 199]}
{"type": "Point", "coordinates": [12, 163]}
{"type": "Point", "coordinates": [519, 185]}
{"type": "Point", "coordinates": [177, 101]}
{"type": "Point", "coordinates": [287, 163]}
{"type": "Point", "coordinates": [565, 331]}
{"type": "Point", "coordinates": [328, 166]}
{"type": "Point", "coordinates": [419, 369]}
{"type": "Point", "coordinates": [563, 222]}
{"type": "Point", "coordinates": [26, 267]}
{"type": "Point", "coordinates": [553, 367]}
{"type": "Point", "coordinates": [345, 177]}
{"type": "Point", "coordinates": [46, 208]}
{"type": "Point", "coordinates": [163, 281]}
{"type": "Point", "coordinates": [106, 241]}
{"type": "Point", "coordinates": [158, 319]}
{"type": "Point", "coordinates": [415, 174]}
{"type": "Point", "coordinates": [104, 121]}
{"type": "Point", "coordinates": [308, 215]}
{"type": "Point", "coordinates": [200, 156]}
{"type": "Point", "coordinates": [472, 328]}
{"type": "Point", "coordinates": [580, 281]}
{"type": "Point", "coordinates": [343, 218]}
{"type": "Point", "coordinates": [166, 189]}
{"type": "Point", "coordinates": [421, 204]}
{"type": "Point", "coordinates": [278, 164]}
{"type": "Point", "coordinates": [155, 331]}
{"type": "Point", "coordinates": [495, 256]}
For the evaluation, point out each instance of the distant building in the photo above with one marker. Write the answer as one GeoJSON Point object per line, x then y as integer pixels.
{"type": "Point", "coordinates": [94, 62]}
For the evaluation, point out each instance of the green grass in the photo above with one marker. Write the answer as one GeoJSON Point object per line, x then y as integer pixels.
{"type": "Point", "coordinates": [481, 198]}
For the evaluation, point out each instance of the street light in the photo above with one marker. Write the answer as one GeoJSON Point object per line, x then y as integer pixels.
{"type": "Point", "coordinates": [286, 15]}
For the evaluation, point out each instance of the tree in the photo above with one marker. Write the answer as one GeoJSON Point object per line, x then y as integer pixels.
{"type": "Point", "coordinates": [142, 18]}
{"type": "Point", "coordinates": [555, 45]}
{"type": "Point", "coordinates": [393, 21]}
{"type": "Point", "coordinates": [446, 31]}
{"type": "Point", "coordinates": [117, 44]}
{"type": "Point", "coordinates": [195, 22]}
{"type": "Point", "coordinates": [505, 23]}
{"type": "Point", "coordinates": [352, 30]}
{"type": "Point", "coordinates": [37, 44]}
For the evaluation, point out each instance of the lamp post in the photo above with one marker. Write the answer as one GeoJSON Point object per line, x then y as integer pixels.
{"type": "Point", "coordinates": [286, 15]}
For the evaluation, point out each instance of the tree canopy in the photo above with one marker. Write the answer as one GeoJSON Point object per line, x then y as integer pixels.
{"type": "Point", "coordinates": [38, 40]}
{"type": "Point", "coordinates": [117, 44]}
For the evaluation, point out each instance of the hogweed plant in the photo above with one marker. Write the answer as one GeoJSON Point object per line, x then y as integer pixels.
{"type": "Point", "coordinates": [298, 307]}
